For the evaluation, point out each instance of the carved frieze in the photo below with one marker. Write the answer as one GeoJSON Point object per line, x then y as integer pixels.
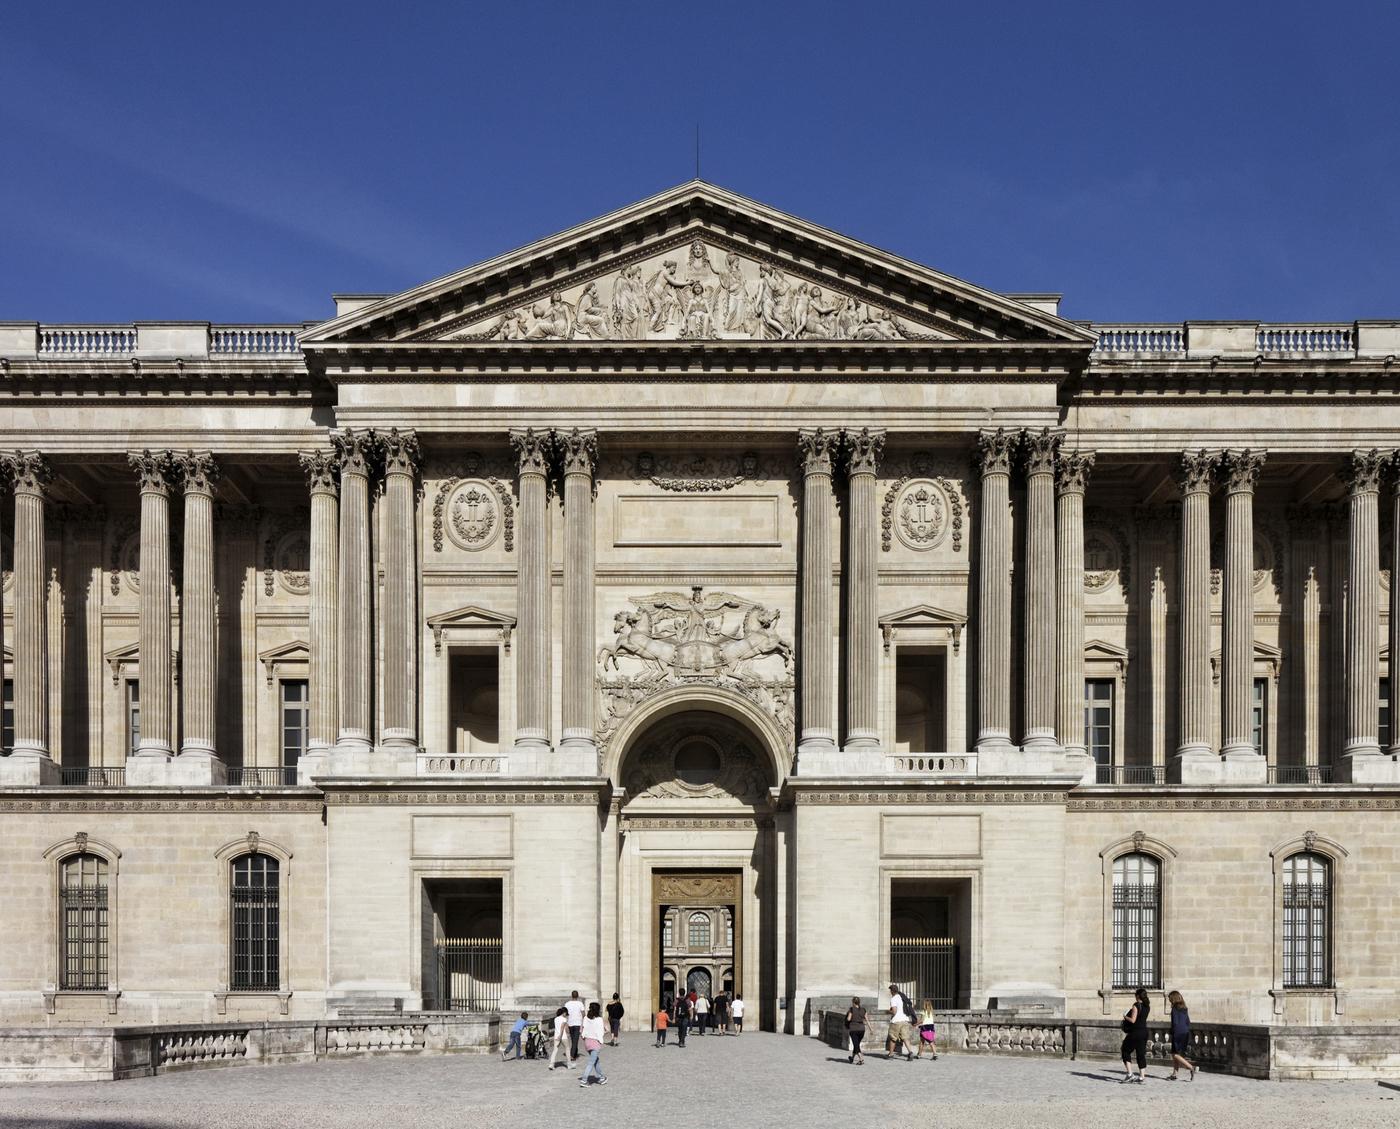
{"type": "Point", "coordinates": [700, 473]}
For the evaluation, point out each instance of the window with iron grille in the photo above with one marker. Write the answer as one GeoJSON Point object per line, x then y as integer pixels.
{"type": "Point", "coordinates": [699, 933]}
{"type": "Point", "coordinates": [82, 924]}
{"type": "Point", "coordinates": [133, 716]}
{"type": "Point", "coordinates": [296, 720]}
{"type": "Point", "coordinates": [1137, 911]}
{"type": "Point", "coordinates": [1098, 719]}
{"type": "Point", "coordinates": [1307, 921]}
{"type": "Point", "coordinates": [255, 919]}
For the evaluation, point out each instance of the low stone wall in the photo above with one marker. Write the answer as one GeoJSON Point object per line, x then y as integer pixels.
{"type": "Point", "coordinates": [60, 1054]}
{"type": "Point", "coordinates": [1248, 1050]}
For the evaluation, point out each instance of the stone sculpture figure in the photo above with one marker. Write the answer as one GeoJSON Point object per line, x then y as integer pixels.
{"type": "Point", "coordinates": [591, 316]}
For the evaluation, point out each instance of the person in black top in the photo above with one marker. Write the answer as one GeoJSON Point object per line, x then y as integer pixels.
{"type": "Point", "coordinates": [1135, 1036]}
{"type": "Point", "coordinates": [615, 1021]}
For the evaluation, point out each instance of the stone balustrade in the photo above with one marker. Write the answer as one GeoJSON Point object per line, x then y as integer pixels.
{"type": "Point", "coordinates": [1270, 340]}
{"type": "Point", "coordinates": [949, 764]}
{"type": "Point", "coordinates": [147, 340]}
{"type": "Point", "coordinates": [253, 341]}
{"type": "Point", "coordinates": [1308, 340]}
{"type": "Point", "coordinates": [87, 341]}
{"type": "Point", "coordinates": [452, 764]}
{"type": "Point", "coordinates": [1141, 340]}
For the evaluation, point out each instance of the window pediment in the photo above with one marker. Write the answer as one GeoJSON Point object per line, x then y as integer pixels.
{"type": "Point", "coordinates": [923, 623]}
{"type": "Point", "coordinates": [471, 624]}
{"type": "Point", "coordinates": [297, 653]}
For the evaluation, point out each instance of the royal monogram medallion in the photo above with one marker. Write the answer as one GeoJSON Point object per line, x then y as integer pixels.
{"type": "Point", "coordinates": [473, 515]}
{"type": "Point", "coordinates": [1102, 560]}
{"type": "Point", "coordinates": [921, 515]}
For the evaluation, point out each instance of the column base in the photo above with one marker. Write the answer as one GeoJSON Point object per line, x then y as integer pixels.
{"type": "Point", "coordinates": [1361, 768]}
{"type": "Point", "coordinates": [194, 769]}
{"type": "Point", "coordinates": [1239, 751]}
{"type": "Point", "coordinates": [1040, 743]}
{"type": "Point", "coordinates": [146, 769]}
{"type": "Point", "coordinates": [29, 769]}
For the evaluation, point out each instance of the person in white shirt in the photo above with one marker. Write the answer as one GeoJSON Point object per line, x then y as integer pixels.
{"type": "Point", "coordinates": [702, 1014]}
{"type": "Point", "coordinates": [593, 1043]}
{"type": "Point", "coordinates": [901, 1024]}
{"type": "Point", "coordinates": [560, 1046]}
{"type": "Point", "coordinates": [736, 1009]}
{"type": "Point", "coordinates": [574, 1006]}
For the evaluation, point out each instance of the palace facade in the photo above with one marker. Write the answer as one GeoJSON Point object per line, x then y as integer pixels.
{"type": "Point", "coordinates": [698, 597]}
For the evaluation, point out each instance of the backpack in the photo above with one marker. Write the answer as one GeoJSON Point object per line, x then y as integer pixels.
{"type": "Point", "coordinates": [908, 1006]}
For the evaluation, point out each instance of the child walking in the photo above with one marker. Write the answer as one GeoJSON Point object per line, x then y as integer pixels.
{"type": "Point", "coordinates": [663, 1021]}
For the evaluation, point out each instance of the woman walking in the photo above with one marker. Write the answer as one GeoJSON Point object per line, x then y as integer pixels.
{"type": "Point", "coordinates": [1135, 1036]}
{"type": "Point", "coordinates": [615, 1021]}
{"type": "Point", "coordinates": [559, 1048]}
{"type": "Point", "coordinates": [593, 1043]}
{"type": "Point", "coordinates": [855, 1030]}
{"type": "Point", "coordinates": [1181, 1036]}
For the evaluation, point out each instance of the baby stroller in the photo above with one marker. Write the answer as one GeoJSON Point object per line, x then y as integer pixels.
{"type": "Point", "coordinates": [534, 1041]}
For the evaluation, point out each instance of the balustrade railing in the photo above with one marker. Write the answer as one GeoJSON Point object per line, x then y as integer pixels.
{"type": "Point", "coordinates": [277, 776]}
{"type": "Point", "coordinates": [84, 776]}
{"type": "Point", "coordinates": [1300, 774]}
{"type": "Point", "coordinates": [376, 1039]}
{"type": "Point", "coordinates": [454, 764]}
{"type": "Point", "coordinates": [185, 1047]}
{"type": "Point", "coordinates": [253, 341]}
{"type": "Point", "coordinates": [1143, 340]}
{"type": "Point", "coordinates": [87, 340]}
{"type": "Point", "coordinates": [1287, 340]}
{"type": "Point", "coordinates": [959, 763]}
{"type": "Point", "coordinates": [1130, 774]}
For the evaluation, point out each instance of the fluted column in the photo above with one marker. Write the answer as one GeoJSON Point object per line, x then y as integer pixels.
{"type": "Point", "coordinates": [155, 470]}
{"type": "Point", "coordinates": [817, 682]}
{"type": "Point", "coordinates": [994, 450]}
{"type": "Point", "coordinates": [1196, 477]}
{"type": "Point", "coordinates": [1241, 473]}
{"type": "Point", "coordinates": [400, 590]}
{"type": "Point", "coordinates": [578, 450]}
{"type": "Point", "coordinates": [1071, 478]}
{"type": "Point", "coordinates": [1394, 642]}
{"type": "Point", "coordinates": [322, 470]}
{"type": "Point", "coordinates": [532, 448]}
{"type": "Point", "coordinates": [354, 450]}
{"type": "Point", "coordinates": [1362, 670]}
{"type": "Point", "coordinates": [863, 450]}
{"type": "Point", "coordinates": [198, 674]}
{"type": "Point", "coordinates": [31, 475]}
{"type": "Point", "coordinates": [1038, 670]}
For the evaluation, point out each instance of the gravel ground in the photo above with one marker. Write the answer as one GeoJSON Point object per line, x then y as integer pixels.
{"type": "Point", "coordinates": [754, 1081]}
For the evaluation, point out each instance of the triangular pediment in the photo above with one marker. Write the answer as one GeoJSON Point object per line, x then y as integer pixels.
{"type": "Point", "coordinates": [696, 264]}
{"type": "Point", "coordinates": [923, 615]}
{"type": "Point", "coordinates": [471, 616]}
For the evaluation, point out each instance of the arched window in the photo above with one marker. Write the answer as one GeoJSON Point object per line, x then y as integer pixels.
{"type": "Point", "coordinates": [1307, 921]}
{"type": "Point", "coordinates": [699, 931]}
{"type": "Point", "coordinates": [255, 924]}
{"type": "Point", "coordinates": [82, 939]}
{"type": "Point", "coordinates": [1137, 905]}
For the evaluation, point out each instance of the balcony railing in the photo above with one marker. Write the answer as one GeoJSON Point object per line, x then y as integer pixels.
{"type": "Point", "coordinates": [87, 340]}
{"type": "Point", "coordinates": [1300, 340]}
{"type": "Point", "coordinates": [278, 776]}
{"type": "Point", "coordinates": [1130, 774]}
{"type": "Point", "coordinates": [1300, 774]}
{"type": "Point", "coordinates": [253, 341]}
{"type": "Point", "coordinates": [1141, 340]}
{"type": "Point", "coordinates": [83, 776]}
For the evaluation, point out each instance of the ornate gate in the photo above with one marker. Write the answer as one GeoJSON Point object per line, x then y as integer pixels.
{"type": "Point", "coordinates": [926, 968]}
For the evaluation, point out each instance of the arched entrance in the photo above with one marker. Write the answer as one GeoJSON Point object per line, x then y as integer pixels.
{"type": "Point", "coordinates": [698, 864]}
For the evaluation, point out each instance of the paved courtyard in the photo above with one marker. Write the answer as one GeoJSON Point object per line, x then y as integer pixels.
{"type": "Point", "coordinates": [754, 1081]}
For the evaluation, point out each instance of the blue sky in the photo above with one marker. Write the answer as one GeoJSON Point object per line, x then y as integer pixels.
{"type": "Point", "coordinates": [239, 162]}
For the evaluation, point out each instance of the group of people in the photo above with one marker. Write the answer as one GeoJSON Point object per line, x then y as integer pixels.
{"type": "Point", "coordinates": [911, 1029]}
{"type": "Point", "coordinates": [721, 1014]}
{"type": "Point", "coordinates": [571, 1023]}
{"type": "Point", "coordinates": [1135, 1037]}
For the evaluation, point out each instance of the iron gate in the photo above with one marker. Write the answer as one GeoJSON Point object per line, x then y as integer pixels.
{"type": "Point", "coordinates": [926, 968]}
{"type": "Point", "coordinates": [469, 973]}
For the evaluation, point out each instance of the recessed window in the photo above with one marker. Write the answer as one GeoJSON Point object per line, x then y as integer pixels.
{"type": "Point", "coordinates": [1258, 718]}
{"type": "Point", "coordinates": [1307, 921]}
{"type": "Point", "coordinates": [920, 678]}
{"type": "Point", "coordinates": [699, 931]}
{"type": "Point", "coordinates": [1137, 906]}
{"type": "Point", "coordinates": [1098, 719]}
{"type": "Point", "coordinates": [296, 720]}
{"type": "Point", "coordinates": [82, 939]}
{"type": "Point", "coordinates": [133, 716]}
{"type": "Point", "coordinates": [255, 920]}
{"type": "Point", "coordinates": [474, 688]}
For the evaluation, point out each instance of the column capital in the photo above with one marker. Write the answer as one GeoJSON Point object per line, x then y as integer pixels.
{"type": "Point", "coordinates": [532, 447]}
{"type": "Point", "coordinates": [816, 447]}
{"type": "Point", "coordinates": [322, 468]}
{"type": "Point", "coordinates": [400, 451]}
{"type": "Point", "coordinates": [863, 449]}
{"type": "Point", "coordinates": [199, 470]}
{"type": "Point", "coordinates": [1072, 471]}
{"type": "Point", "coordinates": [1040, 449]}
{"type": "Point", "coordinates": [1240, 470]}
{"type": "Point", "coordinates": [29, 472]}
{"type": "Point", "coordinates": [578, 448]}
{"type": "Point", "coordinates": [994, 450]}
{"type": "Point", "coordinates": [1363, 470]}
{"type": "Point", "coordinates": [1196, 474]}
{"type": "Point", "coordinates": [354, 450]}
{"type": "Point", "coordinates": [154, 470]}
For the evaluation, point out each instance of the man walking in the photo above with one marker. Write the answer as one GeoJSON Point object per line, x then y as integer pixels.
{"type": "Point", "coordinates": [702, 1014]}
{"type": "Point", "coordinates": [682, 1019]}
{"type": "Point", "coordinates": [574, 1009]}
{"type": "Point", "coordinates": [901, 1024]}
{"type": "Point", "coordinates": [736, 1009]}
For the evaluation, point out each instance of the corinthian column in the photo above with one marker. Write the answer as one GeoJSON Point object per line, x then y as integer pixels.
{"type": "Point", "coordinates": [400, 591]}
{"type": "Point", "coordinates": [321, 471]}
{"type": "Point", "coordinates": [863, 592]}
{"type": "Point", "coordinates": [1071, 477]}
{"type": "Point", "coordinates": [155, 471]}
{"type": "Point", "coordinates": [994, 592]}
{"type": "Point", "coordinates": [579, 452]}
{"type": "Point", "coordinates": [31, 643]}
{"type": "Point", "coordinates": [197, 635]}
{"type": "Point", "coordinates": [1241, 473]}
{"type": "Point", "coordinates": [1362, 670]}
{"type": "Point", "coordinates": [818, 698]}
{"type": "Point", "coordinates": [532, 591]}
{"type": "Point", "coordinates": [1038, 673]}
{"type": "Point", "coordinates": [1193, 695]}
{"type": "Point", "coordinates": [354, 450]}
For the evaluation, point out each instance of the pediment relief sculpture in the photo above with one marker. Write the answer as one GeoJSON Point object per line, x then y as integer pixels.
{"type": "Point", "coordinates": [696, 293]}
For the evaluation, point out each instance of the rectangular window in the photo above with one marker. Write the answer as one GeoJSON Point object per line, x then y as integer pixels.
{"type": "Point", "coordinates": [474, 693]}
{"type": "Point", "coordinates": [1137, 903]}
{"type": "Point", "coordinates": [133, 716]}
{"type": "Point", "coordinates": [1307, 922]}
{"type": "Point", "coordinates": [919, 713]}
{"type": "Point", "coordinates": [666, 932]}
{"type": "Point", "coordinates": [1098, 719]}
{"type": "Point", "coordinates": [1384, 730]}
{"type": "Point", "coordinates": [7, 719]}
{"type": "Point", "coordinates": [1259, 715]}
{"type": "Point", "coordinates": [255, 914]}
{"type": "Point", "coordinates": [82, 897]}
{"type": "Point", "coordinates": [296, 720]}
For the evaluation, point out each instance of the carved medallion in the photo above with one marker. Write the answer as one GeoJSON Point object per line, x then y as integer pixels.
{"type": "Point", "coordinates": [473, 515]}
{"type": "Point", "coordinates": [293, 561]}
{"type": "Point", "coordinates": [1102, 560]}
{"type": "Point", "coordinates": [922, 515]}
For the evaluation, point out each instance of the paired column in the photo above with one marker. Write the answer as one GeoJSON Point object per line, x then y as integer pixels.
{"type": "Point", "coordinates": [1240, 470]}
{"type": "Point", "coordinates": [400, 590]}
{"type": "Point", "coordinates": [578, 449]}
{"type": "Point", "coordinates": [155, 470]}
{"type": "Point", "coordinates": [32, 475]}
{"type": "Point", "coordinates": [994, 449]}
{"type": "Point", "coordinates": [322, 476]}
{"type": "Point", "coordinates": [862, 594]}
{"type": "Point", "coordinates": [1195, 478]}
{"type": "Point", "coordinates": [1038, 677]}
{"type": "Point", "coordinates": [354, 449]}
{"type": "Point", "coordinates": [1361, 669]}
{"type": "Point", "coordinates": [818, 699]}
{"type": "Point", "coordinates": [1071, 478]}
{"type": "Point", "coordinates": [197, 633]}
{"type": "Point", "coordinates": [532, 723]}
